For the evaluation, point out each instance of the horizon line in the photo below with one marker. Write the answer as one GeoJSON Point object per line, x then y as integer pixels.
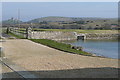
{"type": "Point", "coordinates": [63, 17]}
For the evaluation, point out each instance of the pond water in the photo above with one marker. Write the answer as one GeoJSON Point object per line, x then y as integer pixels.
{"type": "Point", "coordinates": [107, 48]}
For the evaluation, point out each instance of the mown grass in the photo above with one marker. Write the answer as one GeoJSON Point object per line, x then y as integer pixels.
{"type": "Point", "coordinates": [60, 46]}
{"type": "Point", "coordinates": [17, 36]}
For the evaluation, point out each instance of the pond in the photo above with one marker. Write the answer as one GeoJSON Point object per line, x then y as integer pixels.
{"type": "Point", "coordinates": [107, 48]}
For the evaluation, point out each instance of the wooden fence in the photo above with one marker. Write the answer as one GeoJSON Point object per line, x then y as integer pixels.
{"type": "Point", "coordinates": [23, 32]}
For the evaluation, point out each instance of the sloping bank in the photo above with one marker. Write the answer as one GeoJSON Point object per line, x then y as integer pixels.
{"type": "Point", "coordinates": [60, 46]}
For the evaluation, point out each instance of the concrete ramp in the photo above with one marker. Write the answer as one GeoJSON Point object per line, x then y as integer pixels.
{"type": "Point", "coordinates": [45, 62]}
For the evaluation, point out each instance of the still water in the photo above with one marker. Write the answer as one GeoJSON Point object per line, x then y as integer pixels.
{"type": "Point", "coordinates": [107, 48]}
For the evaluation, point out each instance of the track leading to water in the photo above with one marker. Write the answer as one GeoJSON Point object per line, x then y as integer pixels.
{"type": "Point", "coordinates": [45, 62]}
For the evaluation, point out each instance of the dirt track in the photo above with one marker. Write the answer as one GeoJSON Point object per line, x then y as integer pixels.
{"type": "Point", "coordinates": [46, 62]}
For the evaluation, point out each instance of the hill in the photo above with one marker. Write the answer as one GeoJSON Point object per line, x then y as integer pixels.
{"type": "Point", "coordinates": [54, 19]}
{"type": "Point", "coordinates": [11, 21]}
{"type": "Point", "coordinates": [68, 23]}
{"type": "Point", "coordinates": [64, 19]}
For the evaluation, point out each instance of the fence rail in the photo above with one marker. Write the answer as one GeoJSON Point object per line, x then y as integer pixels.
{"type": "Point", "coordinates": [18, 31]}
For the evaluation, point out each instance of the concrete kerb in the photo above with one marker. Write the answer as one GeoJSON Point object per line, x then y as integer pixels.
{"type": "Point", "coordinates": [0, 70]}
{"type": "Point", "coordinates": [21, 71]}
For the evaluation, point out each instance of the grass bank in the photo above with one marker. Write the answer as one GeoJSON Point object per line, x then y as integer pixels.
{"type": "Point", "coordinates": [60, 46]}
{"type": "Point", "coordinates": [17, 36]}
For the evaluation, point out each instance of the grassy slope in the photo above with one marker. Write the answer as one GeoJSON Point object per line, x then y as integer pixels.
{"type": "Point", "coordinates": [17, 36]}
{"type": "Point", "coordinates": [59, 46]}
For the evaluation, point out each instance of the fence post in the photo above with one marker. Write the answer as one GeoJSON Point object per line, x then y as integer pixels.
{"type": "Point", "coordinates": [28, 32]}
{"type": "Point", "coordinates": [7, 31]}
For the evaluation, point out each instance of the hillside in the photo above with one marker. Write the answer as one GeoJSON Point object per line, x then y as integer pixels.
{"type": "Point", "coordinates": [68, 23]}
{"type": "Point", "coordinates": [74, 23]}
{"type": "Point", "coordinates": [11, 21]}
{"type": "Point", "coordinates": [54, 19]}
{"type": "Point", "coordinates": [65, 19]}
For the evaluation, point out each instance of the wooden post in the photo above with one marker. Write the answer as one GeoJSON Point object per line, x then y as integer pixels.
{"type": "Point", "coordinates": [7, 31]}
{"type": "Point", "coordinates": [27, 33]}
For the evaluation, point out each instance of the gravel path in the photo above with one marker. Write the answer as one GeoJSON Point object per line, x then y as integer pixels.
{"type": "Point", "coordinates": [47, 62]}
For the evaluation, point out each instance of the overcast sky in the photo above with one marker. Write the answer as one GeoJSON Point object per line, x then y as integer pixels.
{"type": "Point", "coordinates": [32, 10]}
